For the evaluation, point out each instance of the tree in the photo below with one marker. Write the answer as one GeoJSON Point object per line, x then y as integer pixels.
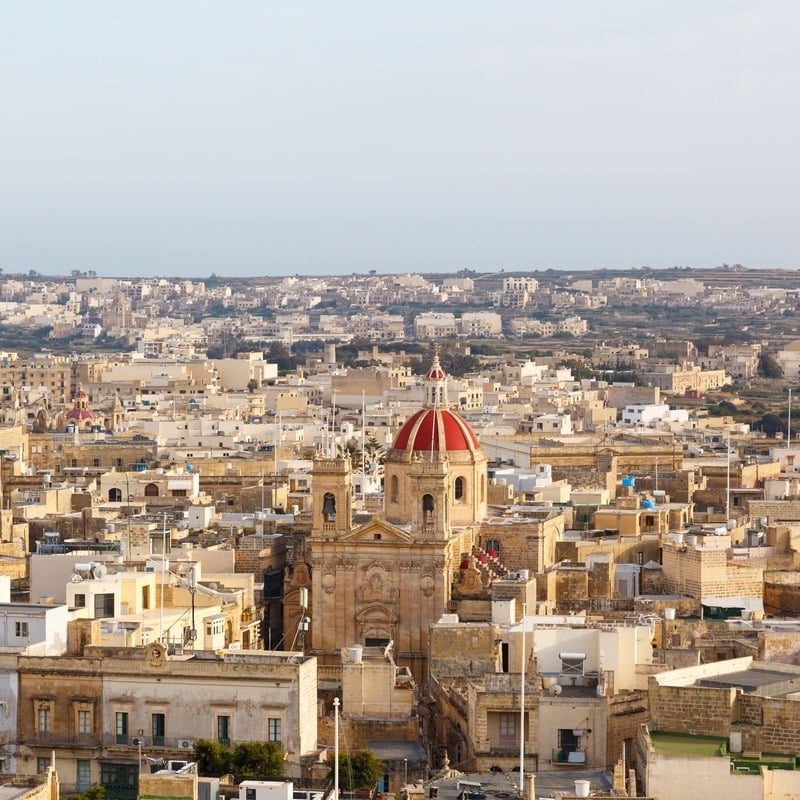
{"type": "Point", "coordinates": [252, 385]}
{"type": "Point", "coordinates": [772, 424]}
{"type": "Point", "coordinates": [258, 760]}
{"type": "Point", "coordinates": [360, 770]}
{"type": "Point", "coordinates": [769, 366]}
{"type": "Point", "coordinates": [351, 450]}
{"type": "Point", "coordinates": [92, 793]}
{"type": "Point", "coordinates": [212, 758]}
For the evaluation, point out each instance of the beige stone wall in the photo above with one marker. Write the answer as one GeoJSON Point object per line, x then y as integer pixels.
{"type": "Point", "coordinates": [781, 599]}
{"type": "Point", "coordinates": [775, 510]}
{"type": "Point", "coordinates": [355, 734]}
{"type": "Point", "coordinates": [678, 778]}
{"type": "Point", "coordinates": [154, 786]}
{"type": "Point", "coordinates": [625, 550]}
{"type": "Point", "coordinates": [705, 572]}
{"type": "Point", "coordinates": [695, 710]}
{"type": "Point", "coordinates": [448, 644]}
{"type": "Point", "coordinates": [626, 712]}
{"type": "Point", "coordinates": [487, 701]}
{"type": "Point", "coordinates": [527, 545]}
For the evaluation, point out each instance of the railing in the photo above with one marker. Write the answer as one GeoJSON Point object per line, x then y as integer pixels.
{"type": "Point", "coordinates": [60, 739]}
{"type": "Point", "coordinates": [134, 741]}
{"type": "Point", "coordinates": [505, 744]}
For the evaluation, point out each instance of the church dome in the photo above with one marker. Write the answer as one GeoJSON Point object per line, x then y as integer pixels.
{"type": "Point", "coordinates": [436, 429]}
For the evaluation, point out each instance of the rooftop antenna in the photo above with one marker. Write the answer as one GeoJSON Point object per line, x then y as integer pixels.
{"type": "Point", "coordinates": [522, 708]}
{"type": "Point", "coordinates": [333, 424]}
{"type": "Point", "coordinates": [163, 567]}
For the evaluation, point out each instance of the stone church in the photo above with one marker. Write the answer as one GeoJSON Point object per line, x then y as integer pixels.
{"type": "Point", "coordinates": [388, 579]}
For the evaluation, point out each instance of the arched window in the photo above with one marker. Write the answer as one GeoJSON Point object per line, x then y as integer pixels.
{"type": "Point", "coordinates": [458, 489]}
{"type": "Point", "coordinates": [151, 490]}
{"type": "Point", "coordinates": [394, 492]}
{"type": "Point", "coordinates": [329, 507]}
{"type": "Point", "coordinates": [427, 508]}
{"type": "Point", "coordinates": [115, 495]}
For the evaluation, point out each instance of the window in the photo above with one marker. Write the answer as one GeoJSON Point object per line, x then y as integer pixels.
{"type": "Point", "coordinates": [568, 741]}
{"type": "Point", "coordinates": [394, 493]}
{"type": "Point", "coordinates": [508, 729]}
{"type": "Point", "coordinates": [21, 629]}
{"type": "Point", "coordinates": [158, 725]}
{"type": "Point", "coordinates": [122, 727]}
{"type": "Point", "coordinates": [41, 765]}
{"type": "Point", "coordinates": [115, 495]}
{"type": "Point", "coordinates": [80, 601]}
{"type": "Point", "coordinates": [274, 729]}
{"type": "Point", "coordinates": [427, 508]}
{"type": "Point", "coordinates": [84, 721]}
{"type": "Point", "coordinates": [492, 546]}
{"type": "Point", "coordinates": [119, 776]}
{"type": "Point", "coordinates": [458, 489]}
{"type": "Point", "coordinates": [43, 719]}
{"type": "Point", "coordinates": [104, 605]}
{"type": "Point", "coordinates": [83, 774]}
{"type": "Point", "coordinates": [224, 730]}
{"type": "Point", "coordinates": [329, 507]}
{"type": "Point", "coordinates": [95, 462]}
{"type": "Point", "coordinates": [250, 793]}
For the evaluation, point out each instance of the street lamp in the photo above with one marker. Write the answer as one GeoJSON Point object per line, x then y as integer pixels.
{"type": "Point", "coordinates": [522, 708]}
{"type": "Point", "coordinates": [335, 748]}
{"type": "Point", "coordinates": [192, 590]}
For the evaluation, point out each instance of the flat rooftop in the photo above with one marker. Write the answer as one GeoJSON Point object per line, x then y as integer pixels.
{"type": "Point", "coordinates": [750, 680]}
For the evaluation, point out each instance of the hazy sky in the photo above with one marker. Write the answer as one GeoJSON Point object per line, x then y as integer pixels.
{"type": "Point", "coordinates": [184, 138]}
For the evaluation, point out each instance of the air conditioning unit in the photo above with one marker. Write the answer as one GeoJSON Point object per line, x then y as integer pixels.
{"type": "Point", "coordinates": [138, 741]}
{"type": "Point", "coordinates": [186, 744]}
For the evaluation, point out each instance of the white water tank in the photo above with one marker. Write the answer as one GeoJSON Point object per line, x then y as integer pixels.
{"type": "Point", "coordinates": [669, 613]}
{"type": "Point", "coordinates": [582, 788]}
{"type": "Point", "coordinates": [356, 653]}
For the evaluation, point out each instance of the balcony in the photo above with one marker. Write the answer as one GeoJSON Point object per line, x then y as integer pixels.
{"type": "Point", "coordinates": [60, 739]}
{"type": "Point", "coordinates": [131, 742]}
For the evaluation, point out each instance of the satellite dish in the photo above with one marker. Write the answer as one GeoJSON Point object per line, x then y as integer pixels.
{"type": "Point", "coordinates": [99, 571]}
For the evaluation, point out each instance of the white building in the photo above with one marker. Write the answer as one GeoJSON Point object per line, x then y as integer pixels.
{"type": "Point", "coordinates": [38, 629]}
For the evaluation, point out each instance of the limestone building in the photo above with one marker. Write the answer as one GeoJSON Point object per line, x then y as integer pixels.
{"type": "Point", "coordinates": [388, 579]}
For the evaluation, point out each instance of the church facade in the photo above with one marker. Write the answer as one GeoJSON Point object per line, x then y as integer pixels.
{"type": "Point", "coordinates": [389, 579]}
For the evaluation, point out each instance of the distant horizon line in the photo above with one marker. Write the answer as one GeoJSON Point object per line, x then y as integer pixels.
{"type": "Point", "coordinates": [464, 272]}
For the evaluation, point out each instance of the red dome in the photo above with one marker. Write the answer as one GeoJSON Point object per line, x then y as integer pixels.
{"type": "Point", "coordinates": [436, 429]}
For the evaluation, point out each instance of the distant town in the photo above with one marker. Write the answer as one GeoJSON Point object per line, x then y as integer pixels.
{"type": "Point", "coordinates": [458, 536]}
